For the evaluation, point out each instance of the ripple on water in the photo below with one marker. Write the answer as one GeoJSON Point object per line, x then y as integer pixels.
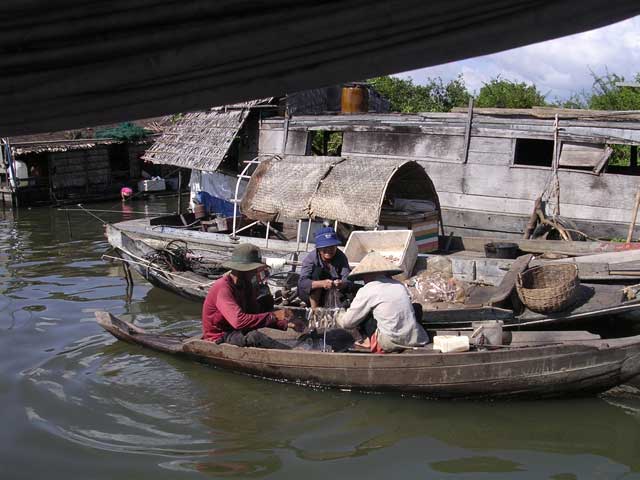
{"type": "Point", "coordinates": [122, 401]}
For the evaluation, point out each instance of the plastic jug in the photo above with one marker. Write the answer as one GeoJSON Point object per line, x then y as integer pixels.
{"type": "Point", "coordinates": [451, 343]}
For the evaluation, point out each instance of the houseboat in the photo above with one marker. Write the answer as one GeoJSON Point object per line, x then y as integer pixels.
{"type": "Point", "coordinates": [78, 165]}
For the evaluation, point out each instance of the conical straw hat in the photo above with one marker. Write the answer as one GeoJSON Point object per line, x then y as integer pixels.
{"type": "Point", "coordinates": [374, 263]}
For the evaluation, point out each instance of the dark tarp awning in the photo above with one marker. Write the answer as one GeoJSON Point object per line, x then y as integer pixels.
{"type": "Point", "coordinates": [67, 64]}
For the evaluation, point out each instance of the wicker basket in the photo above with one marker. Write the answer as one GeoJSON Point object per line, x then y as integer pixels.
{"type": "Point", "coordinates": [549, 288]}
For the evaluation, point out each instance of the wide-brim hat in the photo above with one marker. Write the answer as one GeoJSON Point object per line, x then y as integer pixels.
{"type": "Point", "coordinates": [245, 257]}
{"type": "Point", "coordinates": [374, 263]}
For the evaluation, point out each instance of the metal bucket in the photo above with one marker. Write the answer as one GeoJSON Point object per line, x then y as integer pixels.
{"type": "Point", "coordinates": [501, 250]}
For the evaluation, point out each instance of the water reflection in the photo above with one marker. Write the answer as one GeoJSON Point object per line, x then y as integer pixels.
{"type": "Point", "coordinates": [220, 424]}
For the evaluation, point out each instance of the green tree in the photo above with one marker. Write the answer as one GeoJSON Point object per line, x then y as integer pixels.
{"type": "Point", "coordinates": [575, 101]}
{"type": "Point", "coordinates": [503, 93]}
{"type": "Point", "coordinates": [607, 95]}
{"type": "Point", "coordinates": [434, 96]}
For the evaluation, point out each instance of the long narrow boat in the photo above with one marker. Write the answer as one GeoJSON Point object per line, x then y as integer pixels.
{"type": "Point", "coordinates": [563, 368]}
{"type": "Point", "coordinates": [597, 301]}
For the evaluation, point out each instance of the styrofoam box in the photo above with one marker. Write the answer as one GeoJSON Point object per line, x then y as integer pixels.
{"type": "Point", "coordinates": [397, 245]}
{"type": "Point", "coordinates": [451, 343]}
{"type": "Point", "coordinates": [156, 185]}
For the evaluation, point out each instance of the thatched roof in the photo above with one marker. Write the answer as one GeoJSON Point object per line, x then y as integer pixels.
{"type": "Point", "coordinates": [79, 139]}
{"type": "Point", "coordinates": [200, 140]}
{"type": "Point", "coordinates": [350, 190]}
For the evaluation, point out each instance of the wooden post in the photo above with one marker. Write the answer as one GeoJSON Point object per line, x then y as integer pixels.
{"type": "Point", "coordinates": [556, 162]}
{"type": "Point", "coordinates": [85, 158]}
{"type": "Point", "coordinates": [306, 242]}
{"type": "Point", "coordinates": [266, 237]}
{"type": "Point", "coordinates": [634, 216]}
{"type": "Point", "coordinates": [179, 191]}
{"type": "Point", "coordinates": [285, 128]}
{"type": "Point", "coordinates": [633, 161]}
{"type": "Point", "coordinates": [298, 236]}
{"type": "Point", "coordinates": [467, 132]}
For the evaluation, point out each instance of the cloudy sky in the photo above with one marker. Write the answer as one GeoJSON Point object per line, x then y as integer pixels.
{"type": "Point", "coordinates": [557, 67]}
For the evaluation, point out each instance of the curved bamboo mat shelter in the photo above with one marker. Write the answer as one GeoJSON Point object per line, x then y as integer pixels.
{"type": "Point", "coordinates": [355, 190]}
{"type": "Point", "coordinates": [281, 188]}
{"type": "Point", "coordinates": [349, 190]}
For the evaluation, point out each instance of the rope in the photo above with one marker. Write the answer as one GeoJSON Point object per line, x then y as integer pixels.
{"type": "Point", "coordinates": [109, 211]}
{"type": "Point", "coordinates": [147, 264]}
{"type": "Point", "coordinates": [94, 216]}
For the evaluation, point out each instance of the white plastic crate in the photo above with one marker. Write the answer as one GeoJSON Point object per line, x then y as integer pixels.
{"type": "Point", "coordinates": [451, 343]}
{"type": "Point", "coordinates": [399, 246]}
{"type": "Point", "coordinates": [153, 185]}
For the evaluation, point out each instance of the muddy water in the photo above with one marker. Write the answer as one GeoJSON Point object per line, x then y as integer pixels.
{"type": "Point", "coordinates": [76, 404]}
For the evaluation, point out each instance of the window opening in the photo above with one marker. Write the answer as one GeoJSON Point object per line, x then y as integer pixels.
{"type": "Point", "coordinates": [326, 143]}
{"type": "Point", "coordinates": [533, 152]}
{"type": "Point", "coordinates": [119, 161]}
{"type": "Point", "coordinates": [623, 160]}
{"type": "Point", "coordinates": [231, 161]}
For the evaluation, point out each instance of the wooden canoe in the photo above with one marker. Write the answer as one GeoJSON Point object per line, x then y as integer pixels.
{"type": "Point", "coordinates": [565, 368]}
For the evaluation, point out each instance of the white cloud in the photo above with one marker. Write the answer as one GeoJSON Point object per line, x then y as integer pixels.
{"type": "Point", "coordinates": [557, 67]}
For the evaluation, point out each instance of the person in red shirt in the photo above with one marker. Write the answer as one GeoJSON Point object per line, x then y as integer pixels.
{"type": "Point", "coordinates": [231, 314]}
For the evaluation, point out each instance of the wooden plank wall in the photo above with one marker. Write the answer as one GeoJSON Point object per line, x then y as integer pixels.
{"type": "Point", "coordinates": [135, 152]}
{"type": "Point", "coordinates": [487, 192]}
{"type": "Point", "coordinates": [80, 168]}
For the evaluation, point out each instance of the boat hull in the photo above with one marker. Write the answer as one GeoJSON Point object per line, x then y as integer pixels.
{"type": "Point", "coordinates": [578, 369]}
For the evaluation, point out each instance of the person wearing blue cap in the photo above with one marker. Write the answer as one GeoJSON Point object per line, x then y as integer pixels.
{"type": "Point", "coordinates": [324, 269]}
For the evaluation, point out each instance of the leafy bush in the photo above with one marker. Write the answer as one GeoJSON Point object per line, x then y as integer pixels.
{"type": "Point", "coordinates": [503, 93]}
{"type": "Point", "coordinates": [434, 96]}
{"type": "Point", "coordinates": [126, 132]}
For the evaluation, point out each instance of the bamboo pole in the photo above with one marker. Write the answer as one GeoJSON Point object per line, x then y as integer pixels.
{"type": "Point", "coordinates": [179, 192]}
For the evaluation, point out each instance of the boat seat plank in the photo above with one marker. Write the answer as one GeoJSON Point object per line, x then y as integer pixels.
{"type": "Point", "coordinates": [535, 338]}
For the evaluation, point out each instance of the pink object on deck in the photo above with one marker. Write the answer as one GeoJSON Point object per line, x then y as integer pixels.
{"type": "Point", "coordinates": [126, 192]}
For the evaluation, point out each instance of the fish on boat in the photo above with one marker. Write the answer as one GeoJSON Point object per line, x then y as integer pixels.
{"type": "Point", "coordinates": [565, 364]}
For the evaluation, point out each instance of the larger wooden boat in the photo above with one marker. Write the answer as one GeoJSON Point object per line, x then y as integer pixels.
{"type": "Point", "coordinates": [597, 303]}
{"type": "Point", "coordinates": [489, 166]}
{"type": "Point", "coordinates": [562, 368]}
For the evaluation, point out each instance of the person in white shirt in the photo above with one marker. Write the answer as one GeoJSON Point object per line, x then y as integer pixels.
{"type": "Point", "coordinates": [382, 309]}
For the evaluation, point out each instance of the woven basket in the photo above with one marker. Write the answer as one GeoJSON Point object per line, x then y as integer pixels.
{"type": "Point", "coordinates": [549, 288]}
